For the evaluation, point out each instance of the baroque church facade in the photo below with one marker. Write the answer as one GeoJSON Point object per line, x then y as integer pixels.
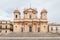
{"type": "Point", "coordinates": [30, 22]}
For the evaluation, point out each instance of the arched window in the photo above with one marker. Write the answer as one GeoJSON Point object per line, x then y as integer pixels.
{"type": "Point", "coordinates": [30, 29]}
{"type": "Point", "coordinates": [6, 27]}
{"type": "Point", "coordinates": [21, 29]}
{"type": "Point", "coordinates": [30, 16]}
{"type": "Point", "coordinates": [38, 29]}
{"type": "Point", "coordinates": [16, 16]}
{"type": "Point", "coordinates": [0, 27]}
{"type": "Point", "coordinates": [51, 28]}
{"type": "Point", "coordinates": [56, 28]}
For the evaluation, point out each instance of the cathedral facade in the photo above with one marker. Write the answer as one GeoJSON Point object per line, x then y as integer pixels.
{"type": "Point", "coordinates": [30, 22]}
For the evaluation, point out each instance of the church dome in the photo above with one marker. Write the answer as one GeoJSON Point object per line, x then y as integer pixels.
{"type": "Point", "coordinates": [43, 11]}
{"type": "Point", "coordinates": [16, 11]}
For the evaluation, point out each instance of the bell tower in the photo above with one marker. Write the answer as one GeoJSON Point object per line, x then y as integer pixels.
{"type": "Point", "coordinates": [16, 17]}
{"type": "Point", "coordinates": [44, 22]}
{"type": "Point", "coordinates": [16, 14]}
{"type": "Point", "coordinates": [44, 14]}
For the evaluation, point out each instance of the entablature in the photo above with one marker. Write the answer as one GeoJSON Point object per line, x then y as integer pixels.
{"type": "Point", "coordinates": [30, 20]}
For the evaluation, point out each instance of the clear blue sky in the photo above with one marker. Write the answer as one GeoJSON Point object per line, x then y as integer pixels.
{"type": "Point", "coordinates": [7, 8]}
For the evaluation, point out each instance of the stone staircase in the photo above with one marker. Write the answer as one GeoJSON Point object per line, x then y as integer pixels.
{"type": "Point", "coordinates": [30, 34]}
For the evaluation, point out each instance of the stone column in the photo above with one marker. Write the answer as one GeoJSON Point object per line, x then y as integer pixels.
{"type": "Point", "coordinates": [34, 27]}
{"type": "Point", "coordinates": [25, 27]}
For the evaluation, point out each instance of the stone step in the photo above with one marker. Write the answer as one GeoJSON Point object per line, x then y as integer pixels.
{"type": "Point", "coordinates": [29, 38]}
{"type": "Point", "coordinates": [28, 34]}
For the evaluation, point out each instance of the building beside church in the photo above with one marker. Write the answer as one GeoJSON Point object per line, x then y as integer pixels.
{"type": "Point", "coordinates": [29, 23]}
{"type": "Point", "coordinates": [6, 26]}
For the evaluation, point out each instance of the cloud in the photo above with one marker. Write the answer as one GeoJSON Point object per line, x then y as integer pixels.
{"type": "Point", "coordinates": [7, 7]}
{"type": "Point", "coordinates": [3, 15]}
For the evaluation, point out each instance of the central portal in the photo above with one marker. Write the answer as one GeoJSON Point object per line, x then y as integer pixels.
{"type": "Point", "coordinates": [30, 29]}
